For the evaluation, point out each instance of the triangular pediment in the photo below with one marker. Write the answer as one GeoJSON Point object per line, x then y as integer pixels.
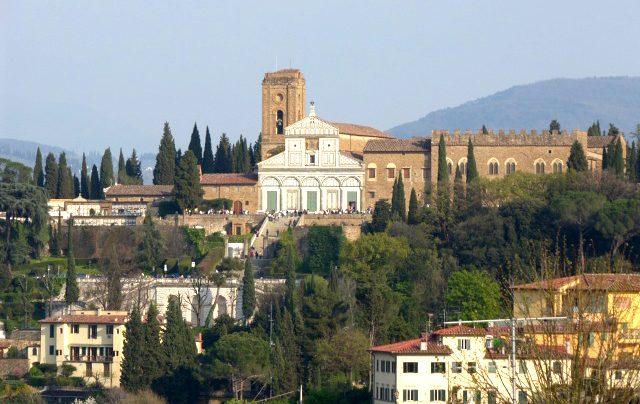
{"type": "Point", "coordinates": [311, 125]}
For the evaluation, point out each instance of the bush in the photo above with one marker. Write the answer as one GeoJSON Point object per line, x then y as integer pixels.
{"type": "Point", "coordinates": [67, 370]}
{"type": "Point", "coordinates": [77, 381]}
{"type": "Point", "coordinates": [14, 353]}
{"type": "Point", "coordinates": [37, 381]}
{"type": "Point", "coordinates": [63, 381]}
{"type": "Point", "coordinates": [217, 204]}
{"type": "Point", "coordinates": [166, 208]}
{"type": "Point", "coordinates": [47, 368]}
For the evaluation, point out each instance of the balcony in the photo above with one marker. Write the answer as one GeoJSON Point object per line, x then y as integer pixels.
{"type": "Point", "coordinates": [88, 358]}
{"type": "Point", "coordinates": [630, 334]}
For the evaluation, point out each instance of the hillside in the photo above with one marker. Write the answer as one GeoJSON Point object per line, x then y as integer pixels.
{"type": "Point", "coordinates": [576, 103]}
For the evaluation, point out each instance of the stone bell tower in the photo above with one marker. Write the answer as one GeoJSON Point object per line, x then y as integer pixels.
{"type": "Point", "coordinates": [283, 102]}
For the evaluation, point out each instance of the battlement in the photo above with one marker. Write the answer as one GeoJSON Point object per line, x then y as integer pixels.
{"type": "Point", "coordinates": [510, 138]}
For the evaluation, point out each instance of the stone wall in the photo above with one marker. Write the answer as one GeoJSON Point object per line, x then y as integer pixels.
{"type": "Point", "coordinates": [212, 223]}
{"type": "Point", "coordinates": [249, 195]}
{"type": "Point", "coordinates": [351, 223]}
{"type": "Point", "coordinates": [13, 367]}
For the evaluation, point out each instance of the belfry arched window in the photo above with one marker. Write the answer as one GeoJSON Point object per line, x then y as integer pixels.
{"type": "Point", "coordinates": [557, 167]}
{"type": "Point", "coordinates": [510, 166]}
{"type": "Point", "coordinates": [279, 122]}
{"type": "Point", "coordinates": [540, 167]}
{"type": "Point", "coordinates": [493, 167]}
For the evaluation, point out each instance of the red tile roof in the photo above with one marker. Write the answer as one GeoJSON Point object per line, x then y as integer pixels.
{"type": "Point", "coordinates": [139, 190]}
{"type": "Point", "coordinates": [359, 130]}
{"type": "Point", "coordinates": [599, 141]}
{"type": "Point", "coordinates": [461, 330]}
{"type": "Point", "coordinates": [610, 282]}
{"type": "Point", "coordinates": [229, 179]}
{"type": "Point", "coordinates": [414, 144]}
{"type": "Point", "coordinates": [413, 347]}
{"type": "Point", "coordinates": [86, 319]}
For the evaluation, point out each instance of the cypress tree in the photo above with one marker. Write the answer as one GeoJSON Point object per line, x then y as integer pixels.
{"type": "Point", "coordinates": [65, 180]}
{"type": "Point", "coordinates": [484, 130]}
{"type": "Point", "coordinates": [618, 161]}
{"type": "Point", "coordinates": [443, 177]}
{"type": "Point", "coordinates": [398, 204]}
{"type": "Point", "coordinates": [257, 152]}
{"type": "Point", "coordinates": [187, 189]}
{"type": "Point", "coordinates": [381, 216]}
{"type": "Point", "coordinates": [151, 248]}
{"type": "Point", "coordinates": [195, 145]}
{"type": "Point", "coordinates": [76, 186]}
{"type": "Point", "coordinates": [96, 186]}
{"type": "Point", "coordinates": [222, 161]}
{"type": "Point", "coordinates": [178, 345]}
{"type": "Point", "coordinates": [554, 126]}
{"type": "Point", "coordinates": [632, 162]}
{"type": "Point", "coordinates": [458, 193]}
{"type": "Point", "coordinates": [133, 168]}
{"type": "Point", "coordinates": [207, 158]}
{"type": "Point", "coordinates": [132, 375]}
{"type": "Point", "coordinates": [106, 169]}
{"type": "Point", "coordinates": [38, 171]}
{"type": "Point", "coordinates": [153, 364]}
{"type": "Point", "coordinates": [248, 292]}
{"type": "Point", "coordinates": [288, 376]}
{"type": "Point", "coordinates": [605, 158]}
{"type": "Point", "coordinates": [637, 168]}
{"type": "Point", "coordinates": [51, 176]}
{"type": "Point", "coordinates": [577, 160]}
{"type": "Point", "coordinates": [413, 215]}
{"type": "Point", "coordinates": [122, 171]}
{"type": "Point", "coordinates": [165, 169]}
{"type": "Point", "coordinates": [472, 167]}
{"type": "Point", "coordinates": [71, 292]}
{"type": "Point", "coordinates": [85, 183]}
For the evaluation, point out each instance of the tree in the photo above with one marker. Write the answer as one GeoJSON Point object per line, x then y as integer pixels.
{"type": "Point", "coordinates": [187, 189]}
{"type": "Point", "coordinates": [619, 221]}
{"type": "Point", "coordinates": [605, 158]}
{"type": "Point", "coordinates": [178, 344]}
{"type": "Point", "coordinates": [240, 156]}
{"type": "Point", "coordinates": [106, 169]}
{"type": "Point", "coordinates": [222, 161]}
{"type": "Point", "coordinates": [71, 292]}
{"type": "Point", "coordinates": [343, 353]}
{"type": "Point", "coordinates": [398, 207]}
{"type": "Point", "coordinates": [484, 130]}
{"type": "Point", "coordinates": [207, 159]}
{"type": "Point", "coordinates": [151, 248]}
{"type": "Point", "coordinates": [51, 175]}
{"type": "Point", "coordinates": [122, 170]}
{"type": "Point", "coordinates": [133, 169]}
{"type": "Point", "coordinates": [613, 130]}
{"type": "Point", "coordinates": [132, 376]}
{"type": "Point", "coordinates": [257, 154]}
{"type": "Point", "coordinates": [153, 364]}
{"type": "Point", "coordinates": [381, 216]}
{"type": "Point", "coordinates": [65, 180]}
{"type": "Point", "coordinates": [76, 186]}
{"type": "Point", "coordinates": [248, 292]}
{"type": "Point", "coordinates": [475, 294]}
{"type": "Point", "coordinates": [618, 160]}
{"type": "Point", "coordinates": [472, 167]}
{"type": "Point", "coordinates": [195, 145]}
{"type": "Point", "coordinates": [38, 171]}
{"type": "Point", "coordinates": [594, 129]}
{"type": "Point", "coordinates": [97, 191]}
{"type": "Point", "coordinates": [413, 215]}
{"type": "Point", "coordinates": [85, 182]}
{"type": "Point", "coordinates": [443, 201]}
{"type": "Point", "coordinates": [459, 198]}
{"type": "Point", "coordinates": [165, 169]}
{"type": "Point", "coordinates": [632, 163]}
{"type": "Point", "coordinates": [577, 159]}
{"type": "Point", "coordinates": [554, 126]}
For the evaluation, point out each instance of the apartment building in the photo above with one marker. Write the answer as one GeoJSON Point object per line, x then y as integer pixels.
{"type": "Point", "coordinates": [89, 340]}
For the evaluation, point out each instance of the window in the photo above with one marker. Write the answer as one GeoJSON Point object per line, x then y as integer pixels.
{"type": "Point", "coordinates": [393, 367]}
{"type": "Point", "coordinates": [391, 173]}
{"type": "Point", "coordinates": [425, 173]}
{"type": "Point", "coordinates": [523, 397]}
{"type": "Point", "coordinates": [406, 173]}
{"type": "Point", "coordinates": [591, 339]}
{"type": "Point", "coordinates": [492, 367]}
{"type": "Point", "coordinates": [618, 375]}
{"type": "Point", "coordinates": [109, 329]}
{"type": "Point", "coordinates": [464, 343]}
{"type": "Point", "coordinates": [387, 366]}
{"type": "Point", "coordinates": [61, 330]}
{"type": "Point", "coordinates": [456, 367]}
{"type": "Point", "coordinates": [58, 352]}
{"type": "Point", "coordinates": [52, 330]}
{"type": "Point", "coordinates": [51, 350]}
{"type": "Point", "coordinates": [75, 328]}
{"type": "Point", "coordinates": [471, 367]}
{"type": "Point", "coordinates": [557, 167]}
{"type": "Point", "coordinates": [557, 367]}
{"type": "Point", "coordinates": [409, 395]}
{"type": "Point", "coordinates": [372, 173]}
{"type": "Point", "coordinates": [279, 122]}
{"type": "Point", "coordinates": [372, 194]}
{"type": "Point", "coordinates": [492, 397]}
{"type": "Point", "coordinates": [107, 369]}
{"type": "Point", "coordinates": [88, 369]}
{"type": "Point", "coordinates": [93, 331]}
{"type": "Point", "coordinates": [377, 365]}
{"type": "Point", "coordinates": [34, 351]}
{"type": "Point", "coordinates": [450, 167]}
{"type": "Point", "coordinates": [410, 367]}
{"type": "Point", "coordinates": [437, 395]}
{"type": "Point", "coordinates": [493, 168]}
{"type": "Point", "coordinates": [471, 396]}
{"type": "Point", "coordinates": [438, 367]}
{"type": "Point", "coordinates": [522, 367]}
{"type": "Point", "coordinates": [511, 167]}
{"type": "Point", "coordinates": [540, 167]}
{"type": "Point", "coordinates": [312, 159]}
{"type": "Point", "coordinates": [463, 167]}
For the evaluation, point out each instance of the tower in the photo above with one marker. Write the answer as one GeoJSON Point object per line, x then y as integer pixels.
{"type": "Point", "coordinates": [283, 101]}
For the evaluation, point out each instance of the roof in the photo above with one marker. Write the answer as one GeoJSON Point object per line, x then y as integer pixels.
{"type": "Point", "coordinates": [139, 190]}
{"type": "Point", "coordinates": [412, 347]}
{"type": "Point", "coordinates": [116, 317]}
{"type": "Point", "coordinates": [359, 130]}
{"type": "Point", "coordinates": [461, 330]}
{"type": "Point", "coordinates": [610, 282]}
{"type": "Point", "coordinates": [228, 179]}
{"type": "Point", "coordinates": [25, 335]}
{"type": "Point", "coordinates": [599, 141]}
{"type": "Point", "coordinates": [414, 144]}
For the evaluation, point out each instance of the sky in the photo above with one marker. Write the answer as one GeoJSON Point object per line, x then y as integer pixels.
{"type": "Point", "coordinates": [87, 75]}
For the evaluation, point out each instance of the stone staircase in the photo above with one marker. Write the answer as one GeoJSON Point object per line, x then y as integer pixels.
{"type": "Point", "coordinates": [266, 241]}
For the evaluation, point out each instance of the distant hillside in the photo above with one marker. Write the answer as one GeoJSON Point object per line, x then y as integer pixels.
{"type": "Point", "coordinates": [576, 103]}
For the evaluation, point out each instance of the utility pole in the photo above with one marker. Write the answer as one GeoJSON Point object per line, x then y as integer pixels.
{"type": "Point", "coordinates": [513, 321]}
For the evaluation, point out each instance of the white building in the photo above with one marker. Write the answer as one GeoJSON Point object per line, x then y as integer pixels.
{"type": "Point", "coordinates": [311, 173]}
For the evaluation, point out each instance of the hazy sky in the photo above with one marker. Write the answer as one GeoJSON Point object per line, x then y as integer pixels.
{"type": "Point", "coordinates": [85, 75]}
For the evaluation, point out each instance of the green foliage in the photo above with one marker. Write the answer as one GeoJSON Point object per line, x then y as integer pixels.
{"type": "Point", "coordinates": [594, 129]}
{"type": "Point", "coordinates": [241, 160]}
{"type": "Point", "coordinates": [67, 370]}
{"type": "Point", "coordinates": [473, 295]}
{"type": "Point", "coordinates": [343, 353]}
{"type": "Point", "coordinates": [187, 189]}
{"type": "Point", "coordinates": [217, 204]}
{"type": "Point", "coordinates": [223, 161]}
{"type": "Point", "coordinates": [618, 160]}
{"type": "Point", "coordinates": [106, 169]}
{"type": "Point", "coordinates": [122, 169]}
{"type": "Point", "coordinates": [413, 217]}
{"type": "Point", "coordinates": [324, 244]}
{"type": "Point", "coordinates": [398, 208]}
{"type": "Point", "coordinates": [195, 145]}
{"type": "Point", "coordinates": [207, 158]}
{"type": "Point", "coordinates": [132, 377]}
{"type": "Point", "coordinates": [287, 258]}
{"type": "Point", "coordinates": [554, 125]}
{"type": "Point", "coordinates": [178, 346]}
{"type": "Point", "coordinates": [133, 170]}
{"type": "Point", "coordinates": [165, 169]}
{"type": "Point", "coordinates": [248, 292]}
{"type": "Point", "coordinates": [97, 191]}
{"type": "Point", "coordinates": [166, 208]}
{"type": "Point", "coordinates": [51, 175]}
{"type": "Point", "coordinates": [472, 167]}
{"type": "Point", "coordinates": [64, 189]}
{"type": "Point", "coordinates": [151, 250]}
{"type": "Point", "coordinates": [577, 159]}
{"type": "Point", "coordinates": [153, 362]}
{"type": "Point", "coordinates": [381, 216]}
{"type": "Point", "coordinates": [632, 163]}
{"type": "Point", "coordinates": [38, 170]}
{"type": "Point", "coordinates": [241, 356]}
{"type": "Point", "coordinates": [72, 292]}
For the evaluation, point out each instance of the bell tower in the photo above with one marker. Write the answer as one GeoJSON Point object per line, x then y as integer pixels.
{"type": "Point", "coordinates": [283, 102]}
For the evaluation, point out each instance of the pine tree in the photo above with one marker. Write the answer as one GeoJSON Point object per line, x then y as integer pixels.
{"type": "Point", "coordinates": [618, 161]}
{"type": "Point", "coordinates": [222, 161]}
{"type": "Point", "coordinates": [96, 186]}
{"type": "Point", "coordinates": [76, 186]}
{"type": "Point", "coordinates": [132, 376]}
{"type": "Point", "coordinates": [605, 158]}
{"type": "Point", "coordinates": [413, 215]}
{"type": "Point", "coordinates": [133, 168]}
{"type": "Point", "coordinates": [398, 207]}
{"type": "Point", "coordinates": [472, 167]}
{"type": "Point", "coordinates": [165, 169]}
{"type": "Point", "coordinates": [207, 158]}
{"type": "Point", "coordinates": [288, 377]}
{"type": "Point", "coordinates": [187, 189]}
{"type": "Point", "coordinates": [632, 162]}
{"type": "Point", "coordinates": [64, 190]}
{"type": "Point", "coordinates": [51, 176]}
{"type": "Point", "coordinates": [122, 171]}
{"type": "Point", "coordinates": [150, 252]}
{"type": "Point", "coordinates": [85, 183]}
{"type": "Point", "coordinates": [71, 292]}
{"type": "Point", "coordinates": [178, 346]}
{"type": "Point", "coordinates": [248, 292]}
{"type": "Point", "coordinates": [106, 169]}
{"type": "Point", "coordinates": [577, 160]}
{"type": "Point", "coordinates": [38, 171]}
{"type": "Point", "coordinates": [153, 364]}
{"type": "Point", "coordinates": [195, 145]}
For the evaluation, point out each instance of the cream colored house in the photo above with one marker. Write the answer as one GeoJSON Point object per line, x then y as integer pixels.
{"type": "Point", "coordinates": [89, 340]}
